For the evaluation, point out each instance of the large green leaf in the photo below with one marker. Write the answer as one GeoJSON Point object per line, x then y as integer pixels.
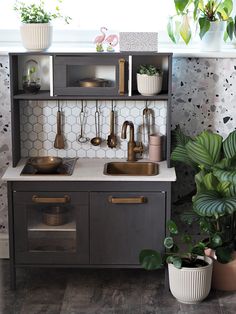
{"type": "Point", "coordinates": [196, 8]}
{"type": "Point", "coordinates": [225, 8]}
{"type": "Point", "coordinates": [210, 181]}
{"type": "Point", "coordinates": [168, 243]}
{"type": "Point", "coordinates": [185, 29]}
{"type": "Point", "coordinates": [229, 145]}
{"type": "Point", "coordinates": [224, 254]}
{"type": "Point", "coordinates": [150, 259]}
{"type": "Point", "coordinates": [199, 180]}
{"type": "Point", "coordinates": [204, 24]}
{"type": "Point", "coordinates": [206, 149]}
{"type": "Point", "coordinates": [225, 175]}
{"type": "Point", "coordinates": [180, 5]}
{"type": "Point", "coordinates": [212, 204]}
{"type": "Point", "coordinates": [229, 29]}
{"type": "Point", "coordinates": [180, 154]}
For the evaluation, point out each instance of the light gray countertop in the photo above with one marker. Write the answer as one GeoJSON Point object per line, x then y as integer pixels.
{"type": "Point", "coordinates": [89, 170]}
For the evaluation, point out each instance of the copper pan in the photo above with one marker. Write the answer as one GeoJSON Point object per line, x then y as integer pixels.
{"type": "Point", "coordinates": [46, 164]}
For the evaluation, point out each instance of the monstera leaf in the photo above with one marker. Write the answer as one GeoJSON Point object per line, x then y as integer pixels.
{"type": "Point", "coordinates": [229, 145]}
{"type": "Point", "coordinates": [212, 204]}
{"type": "Point", "coordinates": [206, 149]}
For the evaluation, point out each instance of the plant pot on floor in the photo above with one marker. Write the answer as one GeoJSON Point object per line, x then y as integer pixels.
{"type": "Point", "coordinates": [149, 85]}
{"type": "Point", "coordinates": [191, 285]}
{"type": "Point", "coordinates": [36, 36]}
{"type": "Point", "coordinates": [223, 275]}
{"type": "Point", "coordinates": [214, 37]}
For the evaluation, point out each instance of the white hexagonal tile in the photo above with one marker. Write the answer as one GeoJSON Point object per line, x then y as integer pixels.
{"type": "Point", "coordinates": [28, 110]}
{"type": "Point", "coordinates": [28, 128]}
{"type": "Point", "coordinates": [37, 111]}
{"type": "Point", "coordinates": [38, 128]}
{"type": "Point", "coordinates": [38, 144]}
{"type": "Point", "coordinates": [32, 136]}
{"type": "Point", "coordinates": [33, 152]}
{"type": "Point", "coordinates": [47, 144]}
{"type": "Point", "coordinates": [32, 119]}
{"type": "Point", "coordinates": [51, 136]}
{"type": "Point", "coordinates": [42, 152]}
{"type": "Point", "coordinates": [47, 128]}
{"type": "Point", "coordinates": [81, 154]}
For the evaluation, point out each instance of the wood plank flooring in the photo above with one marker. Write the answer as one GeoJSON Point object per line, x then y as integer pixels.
{"type": "Point", "coordinates": [83, 291]}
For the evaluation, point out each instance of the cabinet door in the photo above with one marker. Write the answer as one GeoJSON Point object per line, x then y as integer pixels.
{"type": "Point", "coordinates": [90, 75]}
{"type": "Point", "coordinates": [51, 227]}
{"type": "Point", "coordinates": [122, 224]}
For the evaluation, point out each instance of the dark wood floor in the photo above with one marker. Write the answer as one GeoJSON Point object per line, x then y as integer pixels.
{"type": "Point", "coordinates": [72, 291]}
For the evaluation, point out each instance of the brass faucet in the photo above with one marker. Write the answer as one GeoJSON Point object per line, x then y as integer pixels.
{"type": "Point", "coordinates": [133, 149]}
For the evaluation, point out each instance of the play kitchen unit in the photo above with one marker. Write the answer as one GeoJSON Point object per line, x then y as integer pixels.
{"type": "Point", "coordinates": [88, 212]}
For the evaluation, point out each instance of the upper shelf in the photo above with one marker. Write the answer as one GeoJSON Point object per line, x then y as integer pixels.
{"type": "Point", "coordinates": [45, 95]}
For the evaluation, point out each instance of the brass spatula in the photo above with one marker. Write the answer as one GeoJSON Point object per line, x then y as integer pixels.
{"type": "Point", "coordinates": [59, 139]}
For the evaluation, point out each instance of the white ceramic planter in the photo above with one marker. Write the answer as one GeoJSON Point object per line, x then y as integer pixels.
{"type": "Point", "coordinates": [36, 37]}
{"type": "Point", "coordinates": [149, 85]}
{"type": "Point", "coordinates": [191, 285]}
{"type": "Point", "coordinates": [213, 39]}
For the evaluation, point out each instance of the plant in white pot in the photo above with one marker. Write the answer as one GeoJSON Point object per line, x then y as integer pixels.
{"type": "Point", "coordinates": [149, 80]}
{"type": "Point", "coordinates": [209, 16]}
{"type": "Point", "coordinates": [190, 271]}
{"type": "Point", "coordinates": [36, 29]}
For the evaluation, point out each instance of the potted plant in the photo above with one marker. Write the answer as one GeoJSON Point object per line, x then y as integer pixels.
{"type": "Point", "coordinates": [214, 160]}
{"type": "Point", "coordinates": [210, 16]}
{"type": "Point", "coordinates": [189, 269]}
{"type": "Point", "coordinates": [149, 80]}
{"type": "Point", "coordinates": [36, 29]}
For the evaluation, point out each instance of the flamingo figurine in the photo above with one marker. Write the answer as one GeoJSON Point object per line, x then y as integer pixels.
{"type": "Point", "coordinates": [100, 39]}
{"type": "Point", "coordinates": [112, 41]}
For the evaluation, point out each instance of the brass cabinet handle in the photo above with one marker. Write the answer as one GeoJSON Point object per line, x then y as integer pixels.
{"type": "Point", "coordinates": [121, 76]}
{"type": "Point", "coordinates": [40, 200]}
{"type": "Point", "coordinates": [127, 200]}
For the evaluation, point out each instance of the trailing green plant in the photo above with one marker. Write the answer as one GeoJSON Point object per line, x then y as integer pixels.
{"type": "Point", "coordinates": [214, 203]}
{"type": "Point", "coordinates": [186, 254]}
{"type": "Point", "coordinates": [201, 13]}
{"type": "Point", "coordinates": [149, 70]}
{"type": "Point", "coordinates": [231, 28]}
{"type": "Point", "coordinates": [36, 13]}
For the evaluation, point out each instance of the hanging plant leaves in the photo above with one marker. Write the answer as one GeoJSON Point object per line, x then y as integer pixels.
{"type": "Point", "coordinates": [185, 30]}
{"type": "Point", "coordinates": [204, 24]}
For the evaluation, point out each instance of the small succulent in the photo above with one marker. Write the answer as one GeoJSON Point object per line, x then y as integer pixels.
{"type": "Point", "coordinates": [148, 70]}
{"type": "Point", "coordinates": [36, 13]}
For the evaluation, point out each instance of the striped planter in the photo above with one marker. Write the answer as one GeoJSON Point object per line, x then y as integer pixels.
{"type": "Point", "coordinates": [191, 285]}
{"type": "Point", "coordinates": [149, 85]}
{"type": "Point", "coordinates": [36, 37]}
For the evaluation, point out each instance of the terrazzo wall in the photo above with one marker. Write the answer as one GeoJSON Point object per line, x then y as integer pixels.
{"type": "Point", "coordinates": [204, 97]}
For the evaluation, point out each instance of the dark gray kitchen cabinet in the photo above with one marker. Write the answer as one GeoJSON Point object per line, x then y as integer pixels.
{"type": "Point", "coordinates": [122, 224]}
{"type": "Point", "coordinates": [38, 240]}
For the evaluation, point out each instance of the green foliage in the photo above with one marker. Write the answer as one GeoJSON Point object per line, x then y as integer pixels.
{"type": "Point", "coordinates": [215, 201]}
{"type": "Point", "coordinates": [36, 13]}
{"type": "Point", "coordinates": [151, 260]}
{"type": "Point", "coordinates": [202, 12]}
{"type": "Point", "coordinates": [149, 70]}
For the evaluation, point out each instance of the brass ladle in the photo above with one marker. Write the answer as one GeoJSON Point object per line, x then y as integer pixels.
{"type": "Point", "coordinates": [97, 140]}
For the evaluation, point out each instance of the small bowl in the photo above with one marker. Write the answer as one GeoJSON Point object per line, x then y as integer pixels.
{"type": "Point", "coordinates": [47, 164]}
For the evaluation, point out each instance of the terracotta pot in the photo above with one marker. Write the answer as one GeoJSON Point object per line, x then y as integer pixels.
{"type": "Point", "coordinates": [224, 275]}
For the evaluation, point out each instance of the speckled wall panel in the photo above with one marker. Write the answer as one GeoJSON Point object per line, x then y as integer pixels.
{"type": "Point", "coordinates": [5, 137]}
{"type": "Point", "coordinates": [204, 96]}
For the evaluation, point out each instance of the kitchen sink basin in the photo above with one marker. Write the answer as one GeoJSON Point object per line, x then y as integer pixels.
{"type": "Point", "coordinates": [131, 168]}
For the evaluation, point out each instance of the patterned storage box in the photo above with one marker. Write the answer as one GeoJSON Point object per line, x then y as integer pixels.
{"type": "Point", "coordinates": [138, 41]}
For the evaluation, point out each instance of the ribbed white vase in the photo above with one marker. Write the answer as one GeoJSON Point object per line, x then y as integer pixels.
{"type": "Point", "coordinates": [36, 36]}
{"type": "Point", "coordinates": [191, 285]}
{"type": "Point", "coordinates": [149, 85]}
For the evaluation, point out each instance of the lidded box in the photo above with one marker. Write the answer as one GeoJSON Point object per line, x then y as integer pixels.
{"type": "Point", "coordinates": [138, 41]}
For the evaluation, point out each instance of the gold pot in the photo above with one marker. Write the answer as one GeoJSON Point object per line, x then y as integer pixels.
{"type": "Point", "coordinates": [47, 164]}
{"type": "Point", "coordinates": [93, 82]}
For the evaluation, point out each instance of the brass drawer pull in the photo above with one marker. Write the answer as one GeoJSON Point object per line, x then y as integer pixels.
{"type": "Point", "coordinates": [40, 200]}
{"type": "Point", "coordinates": [121, 76]}
{"type": "Point", "coordinates": [127, 200]}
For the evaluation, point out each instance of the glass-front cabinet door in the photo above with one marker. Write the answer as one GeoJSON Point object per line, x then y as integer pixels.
{"type": "Point", "coordinates": [51, 227]}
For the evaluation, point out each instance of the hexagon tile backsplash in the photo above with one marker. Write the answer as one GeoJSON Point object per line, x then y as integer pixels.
{"type": "Point", "coordinates": [38, 127]}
